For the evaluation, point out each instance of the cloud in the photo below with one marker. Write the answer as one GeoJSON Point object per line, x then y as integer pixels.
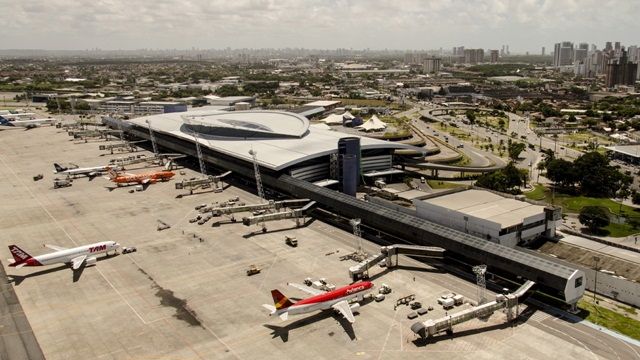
{"type": "Point", "coordinates": [376, 24]}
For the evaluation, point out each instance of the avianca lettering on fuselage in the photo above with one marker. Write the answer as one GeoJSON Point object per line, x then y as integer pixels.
{"type": "Point", "coordinates": [337, 299]}
{"type": "Point", "coordinates": [78, 256]}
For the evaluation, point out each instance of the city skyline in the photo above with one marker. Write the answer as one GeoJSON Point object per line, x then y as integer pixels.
{"type": "Point", "coordinates": [526, 26]}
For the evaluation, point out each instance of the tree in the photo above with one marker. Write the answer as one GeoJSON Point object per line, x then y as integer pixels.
{"type": "Point", "coordinates": [594, 217]}
{"type": "Point", "coordinates": [515, 149]}
{"type": "Point", "coordinates": [508, 179]}
{"type": "Point", "coordinates": [635, 198]}
{"type": "Point", "coordinates": [471, 116]}
{"type": "Point", "coordinates": [561, 172]}
{"type": "Point", "coordinates": [596, 176]}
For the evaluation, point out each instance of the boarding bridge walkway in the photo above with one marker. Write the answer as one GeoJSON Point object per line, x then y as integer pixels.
{"type": "Point", "coordinates": [387, 252]}
{"type": "Point", "coordinates": [431, 327]}
{"type": "Point", "coordinates": [289, 214]}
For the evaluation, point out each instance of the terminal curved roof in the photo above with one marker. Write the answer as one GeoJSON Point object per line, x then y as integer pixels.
{"type": "Point", "coordinates": [252, 123]}
{"type": "Point", "coordinates": [281, 139]}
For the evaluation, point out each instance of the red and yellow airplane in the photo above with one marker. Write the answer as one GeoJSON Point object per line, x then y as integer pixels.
{"type": "Point", "coordinates": [143, 179]}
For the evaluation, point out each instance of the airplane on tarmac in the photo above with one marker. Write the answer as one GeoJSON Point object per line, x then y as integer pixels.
{"type": "Point", "coordinates": [28, 124]}
{"type": "Point", "coordinates": [88, 171]}
{"type": "Point", "coordinates": [143, 179]}
{"type": "Point", "coordinates": [76, 257]}
{"type": "Point", "coordinates": [337, 300]}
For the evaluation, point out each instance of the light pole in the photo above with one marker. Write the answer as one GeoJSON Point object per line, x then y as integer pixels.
{"type": "Point", "coordinates": [595, 283]}
{"type": "Point", "coordinates": [595, 287]}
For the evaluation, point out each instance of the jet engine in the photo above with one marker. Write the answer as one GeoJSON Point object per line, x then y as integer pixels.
{"type": "Point", "coordinates": [90, 261]}
{"type": "Point", "coordinates": [355, 308]}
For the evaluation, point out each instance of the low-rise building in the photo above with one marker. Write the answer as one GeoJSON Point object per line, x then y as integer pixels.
{"type": "Point", "coordinates": [485, 214]}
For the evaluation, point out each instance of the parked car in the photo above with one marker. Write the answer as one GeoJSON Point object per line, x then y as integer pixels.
{"type": "Point", "coordinates": [129, 249]}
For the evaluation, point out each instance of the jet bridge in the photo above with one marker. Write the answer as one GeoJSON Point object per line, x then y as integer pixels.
{"type": "Point", "coordinates": [431, 327]}
{"type": "Point", "coordinates": [289, 214]}
{"type": "Point", "coordinates": [271, 205]}
{"type": "Point", "coordinates": [203, 183]}
{"type": "Point", "coordinates": [387, 254]}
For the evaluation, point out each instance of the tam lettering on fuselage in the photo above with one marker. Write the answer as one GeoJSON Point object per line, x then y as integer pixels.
{"type": "Point", "coordinates": [97, 248]}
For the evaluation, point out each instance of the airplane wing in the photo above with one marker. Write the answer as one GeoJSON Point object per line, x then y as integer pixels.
{"type": "Point", "coordinates": [307, 289]}
{"type": "Point", "coordinates": [55, 247]}
{"type": "Point", "coordinates": [77, 262]}
{"type": "Point", "coordinates": [343, 308]}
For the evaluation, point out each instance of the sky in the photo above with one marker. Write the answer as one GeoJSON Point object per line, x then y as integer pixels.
{"type": "Point", "coordinates": [524, 25]}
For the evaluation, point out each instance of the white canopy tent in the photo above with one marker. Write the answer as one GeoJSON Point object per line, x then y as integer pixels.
{"type": "Point", "coordinates": [347, 116]}
{"type": "Point", "coordinates": [332, 119]}
{"type": "Point", "coordinates": [373, 124]}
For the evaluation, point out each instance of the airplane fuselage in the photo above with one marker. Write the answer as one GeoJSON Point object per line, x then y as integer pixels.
{"type": "Point", "coordinates": [65, 256]}
{"type": "Point", "coordinates": [141, 178]}
{"type": "Point", "coordinates": [327, 300]}
{"type": "Point", "coordinates": [84, 171]}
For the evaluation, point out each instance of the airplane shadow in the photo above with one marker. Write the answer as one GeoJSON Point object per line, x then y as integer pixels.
{"type": "Point", "coordinates": [18, 279]}
{"type": "Point", "coordinates": [260, 232]}
{"type": "Point", "coordinates": [420, 342]}
{"type": "Point", "coordinates": [404, 267]}
{"type": "Point", "coordinates": [283, 331]}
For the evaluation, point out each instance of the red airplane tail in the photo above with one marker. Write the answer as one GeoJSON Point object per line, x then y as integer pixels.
{"type": "Point", "coordinates": [279, 300]}
{"type": "Point", "coordinates": [19, 256]}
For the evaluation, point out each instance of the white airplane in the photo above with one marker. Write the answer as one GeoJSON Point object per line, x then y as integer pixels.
{"type": "Point", "coordinates": [88, 171]}
{"type": "Point", "coordinates": [76, 257]}
{"type": "Point", "coordinates": [29, 124]}
{"type": "Point", "coordinates": [337, 300]}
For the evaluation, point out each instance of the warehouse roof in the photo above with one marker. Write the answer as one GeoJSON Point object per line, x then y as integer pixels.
{"type": "Point", "coordinates": [487, 205]}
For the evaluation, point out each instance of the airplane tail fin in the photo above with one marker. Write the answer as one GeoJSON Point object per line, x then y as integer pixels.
{"type": "Point", "coordinates": [19, 256]}
{"type": "Point", "coordinates": [279, 300]}
{"type": "Point", "coordinates": [112, 173]}
{"type": "Point", "coordinates": [59, 168]}
{"type": "Point", "coordinates": [168, 165]}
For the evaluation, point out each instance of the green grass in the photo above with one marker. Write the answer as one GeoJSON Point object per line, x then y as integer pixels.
{"type": "Point", "coordinates": [538, 193]}
{"type": "Point", "coordinates": [435, 184]}
{"type": "Point", "coordinates": [609, 319]}
{"type": "Point", "coordinates": [627, 309]}
{"type": "Point", "coordinates": [573, 204]}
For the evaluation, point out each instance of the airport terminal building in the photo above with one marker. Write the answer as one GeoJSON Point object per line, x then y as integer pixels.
{"type": "Point", "coordinates": [285, 143]}
{"type": "Point", "coordinates": [489, 216]}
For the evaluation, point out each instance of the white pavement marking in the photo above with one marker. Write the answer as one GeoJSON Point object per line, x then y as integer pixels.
{"type": "Point", "coordinates": [578, 341]}
{"type": "Point", "coordinates": [6, 166]}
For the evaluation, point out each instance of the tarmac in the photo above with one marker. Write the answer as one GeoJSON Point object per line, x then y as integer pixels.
{"type": "Point", "coordinates": [185, 293]}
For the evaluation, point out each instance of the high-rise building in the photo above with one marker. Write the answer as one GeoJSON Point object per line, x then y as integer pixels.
{"type": "Point", "coordinates": [432, 65]}
{"type": "Point", "coordinates": [620, 71]}
{"type": "Point", "coordinates": [494, 56]}
{"type": "Point", "coordinates": [607, 46]}
{"type": "Point", "coordinates": [473, 56]}
{"type": "Point", "coordinates": [543, 51]}
{"type": "Point", "coordinates": [633, 54]}
{"type": "Point", "coordinates": [617, 47]}
{"type": "Point", "coordinates": [581, 52]}
{"type": "Point", "coordinates": [508, 52]}
{"type": "Point", "coordinates": [563, 54]}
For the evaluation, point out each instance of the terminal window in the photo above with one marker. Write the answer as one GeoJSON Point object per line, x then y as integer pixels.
{"type": "Point", "coordinates": [579, 282]}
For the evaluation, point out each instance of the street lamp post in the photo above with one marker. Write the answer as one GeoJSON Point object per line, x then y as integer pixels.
{"type": "Point", "coordinates": [595, 284]}
{"type": "Point", "coordinates": [595, 288]}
